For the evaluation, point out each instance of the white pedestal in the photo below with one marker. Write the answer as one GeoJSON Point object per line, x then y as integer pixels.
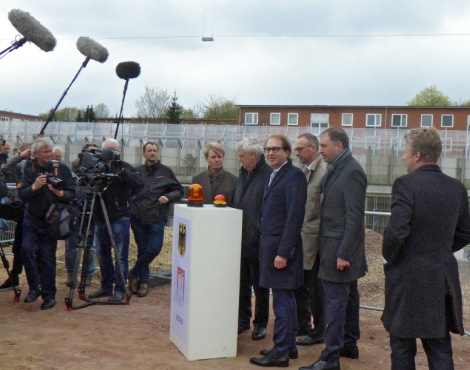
{"type": "Point", "coordinates": [205, 281]}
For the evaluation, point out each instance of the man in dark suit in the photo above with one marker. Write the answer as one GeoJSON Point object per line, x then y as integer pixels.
{"type": "Point", "coordinates": [429, 222]}
{"type": "Point", "coordinates": [254, 174]}
{"type": "Point", "coordinates": [310, 297]}
{"type": "Point", "coordinates": [281, 255]}
{"type": "Point", "coordinates": [342, 247]}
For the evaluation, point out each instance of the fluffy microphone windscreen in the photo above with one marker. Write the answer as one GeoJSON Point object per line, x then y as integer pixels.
{"type": "Point", "coordinates": [126, 70]}
{"type": "Point", "coordinates": [32, 30]}
{"type": "Point", "coordinates": [91, 49]}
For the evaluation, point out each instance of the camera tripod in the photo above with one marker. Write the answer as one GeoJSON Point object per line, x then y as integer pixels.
{"type": "Point", "coordinates": [6, 265]}
{"type": "Point", "coordinates": [93, 199]}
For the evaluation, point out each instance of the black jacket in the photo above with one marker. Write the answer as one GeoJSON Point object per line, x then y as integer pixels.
{"type": "Point", "coordinates": [158, 180]}
{"type": "Point", "coordinates": [249, 198]}
{"type": "Point", "coordinates": [37, 202]}
{"type": "Point", "coordinates": [117, 193]}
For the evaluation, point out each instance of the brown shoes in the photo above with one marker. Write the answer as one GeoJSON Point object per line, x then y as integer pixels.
{"type": "Point", "coordinates": [143, 290]}
{"type": "Point", "coordinates": [133, 284]}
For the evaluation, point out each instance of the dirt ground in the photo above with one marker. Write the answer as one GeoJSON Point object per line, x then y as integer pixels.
{"type": "Point", "coordinates": [137, 335]}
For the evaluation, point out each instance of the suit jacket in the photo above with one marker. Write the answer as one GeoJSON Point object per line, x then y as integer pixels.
{"type": "Point", "coordinates": [222, 183]}
{"type": "Point", "coordinates": [342, 226]}
{"type": "Point", "coordinates": [281, 220]}
{"type": "Point", "coordinates": [249, 198]}
{"type": "Point", "coordinates": [430, 220]}
{"type": "Point", "coordinates": [311, 227]}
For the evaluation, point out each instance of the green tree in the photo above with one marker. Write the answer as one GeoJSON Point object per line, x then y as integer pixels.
{"type": "Point", "coordinates": [153, 103]}
{"type": "Point", "coordinates": [101, 110]}
{"type": "Point", "coordinates": [89, 115]}
{"type": "Point", "coordinates": [431, 97]}
{"type": "Point", "coordinates": [79, 117]}
{"type": "Point", "coordinates": [174, 111]}
{"type": "Point", "coordinates": [219, 107]}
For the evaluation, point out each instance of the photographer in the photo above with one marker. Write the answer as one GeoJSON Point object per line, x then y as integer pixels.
{"type": "Point", "coordinates": [122, 179]}
{"type": "Point", "coordinates": [14, 210]}
{"type": "Point", "coordinates": [38, 192]}
{"type": "Point", "coordinates": [150, 209]}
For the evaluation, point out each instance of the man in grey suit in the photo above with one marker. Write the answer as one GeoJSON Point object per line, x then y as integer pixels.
{"type": "Point", "coordinates": [429, 222]}
{"type": "Point", "coordinates": [310, 296]}
{"type": "Point", "coordinates": [342, 247]}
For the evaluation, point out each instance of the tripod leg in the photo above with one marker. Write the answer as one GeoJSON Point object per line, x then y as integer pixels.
{"type": "Point", "coordinates": [6, 265]}
{"type": "Point", "coordinates": [114, 247]}
{"type": "Point", "coordinates": [85, 223]}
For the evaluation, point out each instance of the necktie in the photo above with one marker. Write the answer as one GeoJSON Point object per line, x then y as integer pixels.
{"type": "Point", "coordinates": [273, 174]}
{"type": "Point", "coordinates": [306, 171]}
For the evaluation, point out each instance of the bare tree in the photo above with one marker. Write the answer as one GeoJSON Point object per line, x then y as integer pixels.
{"type": "Point", "coordinates": [101, 110]}
{"type": "Point", "coordinates": [153, 103]}
{"type": "Point", "coordinates": [219, 107]}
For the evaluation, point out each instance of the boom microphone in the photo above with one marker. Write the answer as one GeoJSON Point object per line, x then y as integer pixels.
{"type": "Point", "coordinates": [91, 49]}
{"type": "Point", "coordinates": [127, 70]}
{"type": "Point", "coordinates": [31, 30]}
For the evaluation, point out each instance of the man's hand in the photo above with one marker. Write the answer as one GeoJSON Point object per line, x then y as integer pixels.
{"type": "Point", "coordinates": [25, 153]}
{"type": "Point", "coordinates": [280, 262]}
{"type": "Point", "coordinates": [58, 193]}
{"type": "Point", "coordinates": [342, 264]}
{"type": "Point", "coordinates": [41, 180]}
{"type": "Point", "coordinates": [163, 199]}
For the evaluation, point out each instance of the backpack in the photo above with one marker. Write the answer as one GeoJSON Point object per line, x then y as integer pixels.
{"type": "Point", "coordinates": [62, 220]}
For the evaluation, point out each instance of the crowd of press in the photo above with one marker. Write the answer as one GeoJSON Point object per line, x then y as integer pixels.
{"type": "Point", "coordinates": [303, 237]}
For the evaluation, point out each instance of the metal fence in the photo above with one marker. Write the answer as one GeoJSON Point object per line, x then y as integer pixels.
{"type": "Point", "coordinates": [378, 141]}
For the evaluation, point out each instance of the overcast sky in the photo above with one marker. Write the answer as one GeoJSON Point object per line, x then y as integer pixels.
{"type": "Point", "coordinates": [336, 52]}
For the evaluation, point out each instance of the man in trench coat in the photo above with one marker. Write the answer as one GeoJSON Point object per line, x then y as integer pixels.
{"type": "Point", "coordinates": [430, 221]}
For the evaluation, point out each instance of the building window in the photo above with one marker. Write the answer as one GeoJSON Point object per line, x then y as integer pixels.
{"type": "Point", "coordinates": [347, 119]}
{"type": "Point", "coordinates": [373, 120]}
{"type": "Point", "coordinates": [426, 120]}
{"type": "Point", "coordinates": [447, 120]}
{"type": "Point", "coordinates": [275, 119]}
{"type": "Point", "coordinates": [319, 121]}
{"type": "Point", "coordinates": [292, 119]}
{"type": "Point", "coordinates": [399, 120]}
{"type": "Point", "coordinates": [5, 119]}
{"type": "Point", "coordinates": [251, 118]}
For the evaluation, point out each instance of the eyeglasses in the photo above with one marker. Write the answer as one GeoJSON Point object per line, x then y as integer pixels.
{"type": "Point", "coordinates": [300, 148]}
{"type": "Point", "coordinates": [274, 149]}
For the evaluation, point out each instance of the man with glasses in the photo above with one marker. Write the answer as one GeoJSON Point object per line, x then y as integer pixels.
{"type": "Point", "coordinates": [281, 255]}
{"type": "Point", "coordinates": [310, 296]}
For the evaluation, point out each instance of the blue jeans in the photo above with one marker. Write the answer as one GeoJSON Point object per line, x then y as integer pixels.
{"type": "Point", "coordinates": [71, 245]}
{"type": "Point", "coordinates": [285, 321]}
{"type": "Point", "coordinates": [39, 258]}
{"type": "Point", "coordinates": [149, 239]}
{"type": "Point", "coordinates": [342, 315]}
{"type": "Point", "coordinates": [109, 272]}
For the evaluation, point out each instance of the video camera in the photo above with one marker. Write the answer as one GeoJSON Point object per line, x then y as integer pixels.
{"type": "Point", "coordinates": [96, 165]}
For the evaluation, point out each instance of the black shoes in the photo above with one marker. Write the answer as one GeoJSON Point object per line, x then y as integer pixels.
{"type": "Point", "coordinates": [243, 327]}
{"type": "Point", "coordinates": [117, 297]}
{"type": "Point", "coordinates": [350, 351]}
{"type": "Point", "coordinates": [293, 355]}
{"type": "Point", "coordinates": [48, 303]}
{"type": "Point", "coordinates": [100, 293]}
{"type": "Point", "coordinates": [308, 341]}
{"type": "Point", "coordinates": [304, 330]}
{"type": "Point", "coordinates": [8, 284]}
{"type": "Point", "coordinates": [32, 296]}
{"type": "Point", "coordinates": [259, 333]}
{"type": "Point", "coordinates": [271, 360]}
{"type": "Point", "coordinates": [323, 365]}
